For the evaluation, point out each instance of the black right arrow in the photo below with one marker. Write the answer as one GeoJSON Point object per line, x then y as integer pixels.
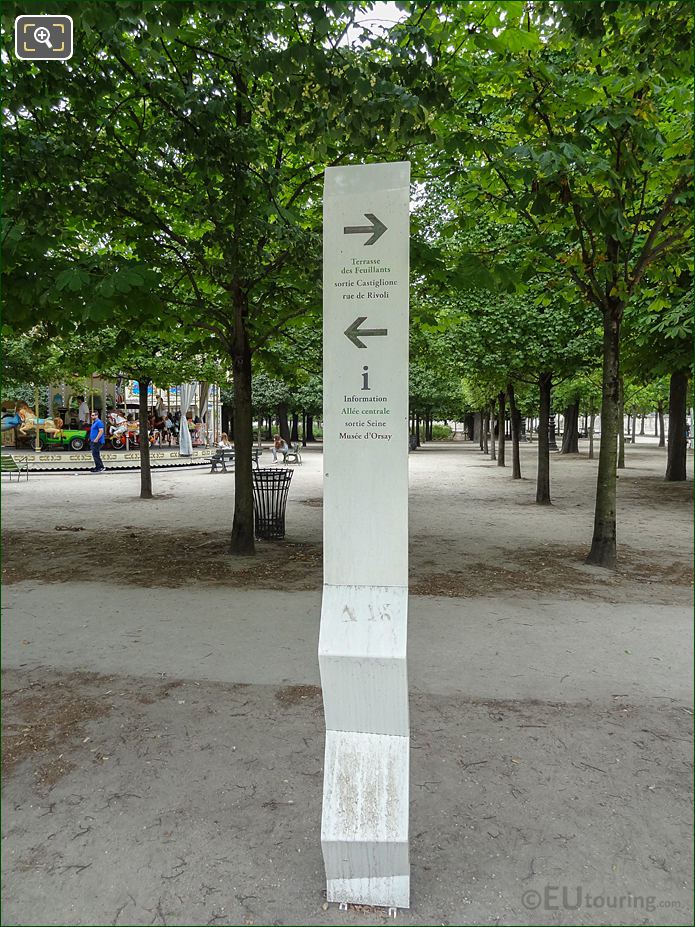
{"type": "Point", "coordinates": [377, 229]}
{"type": "Point", "coordinates": [354, 333]}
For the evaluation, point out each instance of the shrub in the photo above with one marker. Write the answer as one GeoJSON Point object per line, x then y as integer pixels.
{"type": "Point", "coordinates": [441, 433]}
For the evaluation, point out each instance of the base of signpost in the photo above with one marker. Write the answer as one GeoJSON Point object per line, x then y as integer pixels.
{"type": "Point", "coordinates": [364, 827]}
{"type": "Point", "coordinates": [375, 892]}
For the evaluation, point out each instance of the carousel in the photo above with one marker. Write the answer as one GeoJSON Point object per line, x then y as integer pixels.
{"type": "Point", "coordinates": [181, 426]}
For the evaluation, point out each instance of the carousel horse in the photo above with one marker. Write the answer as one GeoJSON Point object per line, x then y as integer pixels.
{"type": "Point", "coordinates": [25, 421]}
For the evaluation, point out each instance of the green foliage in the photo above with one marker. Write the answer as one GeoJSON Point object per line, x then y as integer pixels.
{"type": "Point", "coordinates": [269, 393]}
{"type": "Point", "coordinates": [441, 433]}
{"type": "Point", "coordinates": [585, 387]}
{"type": "Point", "coordinates": [33, 359]}
{"type": "Point", "coordinates": [581, 137]}
{"type": "Point", "coordinates": [309, 397]}
{"type": "Point", "coordinates": [183, 169]}
{"type": "Point", "coordinates": [431, 392]}
{"type": "Point", "coordinates": [143, 355]}
{"type": "Point", "coordinates": [659, 332]}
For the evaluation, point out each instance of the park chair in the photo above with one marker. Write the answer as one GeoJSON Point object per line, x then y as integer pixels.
{"type": "Point", "coordinates": [293, 455]}
{"type": "Point", "coordinates": [223, 456]}
{"type": "Point", "coordinates": [226, 456]}
{"type": "Point", "coordinates": [16, 465]}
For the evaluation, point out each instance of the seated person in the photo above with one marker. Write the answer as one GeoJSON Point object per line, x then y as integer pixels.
{"type": "Point", "coordinates": [117, 422]}
{"type": "Point", "coordinates": [279, 446]}
{"type": "Point", "coordinates": [224, 441]}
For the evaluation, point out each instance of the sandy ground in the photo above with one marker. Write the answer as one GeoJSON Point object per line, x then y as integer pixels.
{"type": "Point", "coordinates": [163, 732]}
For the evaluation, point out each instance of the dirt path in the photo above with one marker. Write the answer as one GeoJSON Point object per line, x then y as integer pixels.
{"type": "Point", "coordinates": [181, 802]}
{"type": "Point", "coordinates": [473, 531]}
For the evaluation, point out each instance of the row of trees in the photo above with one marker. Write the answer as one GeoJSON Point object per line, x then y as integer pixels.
{"type": "Point", "coordinates": [166, 181]}
{"type": "Point", "coordinates": [290, 399]}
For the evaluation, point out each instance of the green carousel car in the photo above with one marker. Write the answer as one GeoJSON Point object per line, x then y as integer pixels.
{"type": "Point", "coordinates": [76, 439]}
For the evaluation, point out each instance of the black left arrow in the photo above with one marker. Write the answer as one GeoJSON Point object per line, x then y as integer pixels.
{"type": "Point", "coordinates": [377, 228]}
{"type": "Point", "coordinates": [355, 333]}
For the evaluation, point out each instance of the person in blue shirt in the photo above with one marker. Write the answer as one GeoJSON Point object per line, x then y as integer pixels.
{"type": "Point", "coordinates": [97, 439]}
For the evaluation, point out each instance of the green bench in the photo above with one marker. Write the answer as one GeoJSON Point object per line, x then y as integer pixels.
{"type": "Point", "coordinates": [16, 465]}
{"type": "Point", "coordinates": [292, 455]}
{"type": "Point", "coordinates": [226, 456]}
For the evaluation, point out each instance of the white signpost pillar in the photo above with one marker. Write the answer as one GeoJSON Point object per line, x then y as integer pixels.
{"type": "Point", "coordinates": [362, 644]}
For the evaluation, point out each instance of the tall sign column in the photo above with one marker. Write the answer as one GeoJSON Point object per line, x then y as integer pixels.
{"type": "Point", "coordinates": [362, 644]}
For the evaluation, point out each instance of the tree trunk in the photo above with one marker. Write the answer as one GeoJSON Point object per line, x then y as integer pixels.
{"type": "Point", "coordinates": [516, 423]}
{"type": "Point", "coordinates": [418, 443]}
{"type": "Point", "coordinates": [677, 439]}
{"type": "Point", "coordinates": [641, 426]}
{"type": "Point", "coordinates": [621, 423]}
{"type": "Point", "coordinates": [283, 423]}
{"type": "Point", "coordinates": [570, 438]}
{"type": "Point", "coordinates": [145, 471]}
{"type": "Point", "coordinates": [633, 430]}
{"type": "Point", "coordinates": [310, 428]}
{"type": "Point", "coordinates": [662, 433]}
{"type": "Point", "coordinates": [502, 419]}
{"type": "Point", "coordinates": [493, 451]}
{"type": "Point", "coordinates": [294, 432]}
{"type": "Point", "coordinates": [486, 428]}
{"type": "Point", "coordinates": [303, 429]}
{"type": "Point", "coordinates": [481, 436]}
{"type": "Point", "coordinates": [603, 543]}
{"type": "Point", "coordinates": [242, 543]}
{"type": "Point", "coordinates": [269, 428]}
{"type": "Point", "coordinates": [545, 385]}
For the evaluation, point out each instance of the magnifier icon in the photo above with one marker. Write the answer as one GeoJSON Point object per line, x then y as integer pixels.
{"type": "Point", "coordinates": [43, 35]}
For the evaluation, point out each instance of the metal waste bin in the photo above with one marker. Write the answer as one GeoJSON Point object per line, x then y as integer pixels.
{"type": "Point", "coordinates": [270, 489]}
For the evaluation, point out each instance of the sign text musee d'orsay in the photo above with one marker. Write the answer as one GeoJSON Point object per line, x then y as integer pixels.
{"type": "Point", "coordinates": [362, 646]}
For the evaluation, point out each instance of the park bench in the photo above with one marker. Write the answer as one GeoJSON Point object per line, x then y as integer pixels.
{"type": "Point", "coordinates": [16, 465]}
{"type": "Point", "coordinates": [227, 455]}
{"type": "Point", "coordinates": [293, 455]}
